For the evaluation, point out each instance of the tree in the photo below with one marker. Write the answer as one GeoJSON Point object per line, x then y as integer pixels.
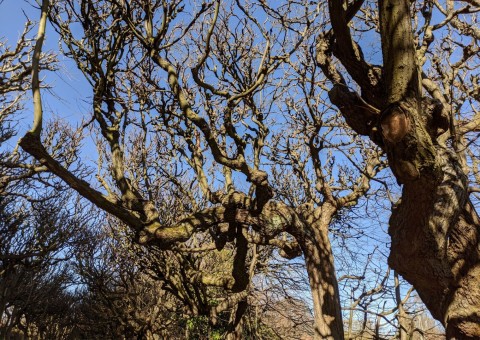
{"type": "Point", "coordinates": [223, 93]}
{"type": "Point", "coordinates": [115, 298]}
{"type": "Point", "coordinates": [40, 219]}
{"type": "Point", "coordinates": [208, 121]}
{"type": "Point", "coordinates": [434, 227]}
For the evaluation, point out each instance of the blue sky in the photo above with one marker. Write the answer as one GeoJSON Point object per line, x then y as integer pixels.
{"type": "Point", "coordinates": [68, 83]}
{"type": "Point", "coordinates": [69, 93]}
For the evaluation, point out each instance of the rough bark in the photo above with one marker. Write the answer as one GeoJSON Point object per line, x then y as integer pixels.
{"type": "Point", "coordinates": [434, 228]}
{"type": "Point", "coordinates": [315, 243]}
{"type": "Point", "coordinates": [435, 237]}
{"type": "Point", "coordinates": [324, 288]}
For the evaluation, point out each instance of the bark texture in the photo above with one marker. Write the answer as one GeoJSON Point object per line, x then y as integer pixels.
{"type": "Point", "coordinates": [434, 228]}
{"type": "Point", "coordinates": [322, 276]}
{"type": "Point", "coordinates": [435, 237]}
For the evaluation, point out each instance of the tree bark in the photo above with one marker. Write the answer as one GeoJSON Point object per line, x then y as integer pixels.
{"type": "Point", "coordinates": [434, 228]}
{"type": "Point", "coordinates": [235, 330]}
{"type": "Point", "coordinates": [328, 323]}
{"type": "Point", "coordinates": [401, 315]}
{"type": "Point", "coordinates": [435, 237]}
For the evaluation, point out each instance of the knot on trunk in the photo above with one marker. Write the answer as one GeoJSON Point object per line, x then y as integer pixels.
{"type": "Point", "coordinates": [409, 146]}
{"type": "Point", "coordinates": [395, 123]}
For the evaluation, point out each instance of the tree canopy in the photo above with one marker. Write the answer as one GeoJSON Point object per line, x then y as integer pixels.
{"type": "Point", "coordinates": [227, 132]}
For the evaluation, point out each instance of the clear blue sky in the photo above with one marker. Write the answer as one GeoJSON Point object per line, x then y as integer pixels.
{"type": "Point", "coordinates": [69, 93]}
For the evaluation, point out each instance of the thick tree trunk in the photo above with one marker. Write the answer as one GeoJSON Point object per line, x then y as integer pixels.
{"type": "Point", "coordinates": [435, 246]}
{"type": "Point", "coordinates": [318, 254]}
{"type": "Point", "coordinates": [324, 288]}
{"type": "Point", "coordinates": [434, 229]}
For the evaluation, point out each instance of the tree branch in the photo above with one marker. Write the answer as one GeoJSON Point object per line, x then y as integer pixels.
{"type": "Point", "coordinates": [37, 98]}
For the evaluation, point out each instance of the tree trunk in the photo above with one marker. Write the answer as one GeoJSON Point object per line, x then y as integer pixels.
{"type": "Point", "coordinates": [235, 330]}
{"type": "Point", "coordinates": [401, 315]}
{"type": "Point", "coordinates": [350, 321]}
{"type": "Point", "coordinates": [318, 254]}
{"type": "Point", "coordinates": [435, 235]}
{"type": "Point", "coordinates": [434, 229]}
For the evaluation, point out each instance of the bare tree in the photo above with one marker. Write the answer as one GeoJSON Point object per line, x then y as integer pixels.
{"type": "Point", "coordinates": [195, 96]}
{"type": "Point", "coordinates": [225, 102]}
{"type": "Point", "coordinates": [39, 219]}
{"type": "Point", "coordinates": [413, 107]}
